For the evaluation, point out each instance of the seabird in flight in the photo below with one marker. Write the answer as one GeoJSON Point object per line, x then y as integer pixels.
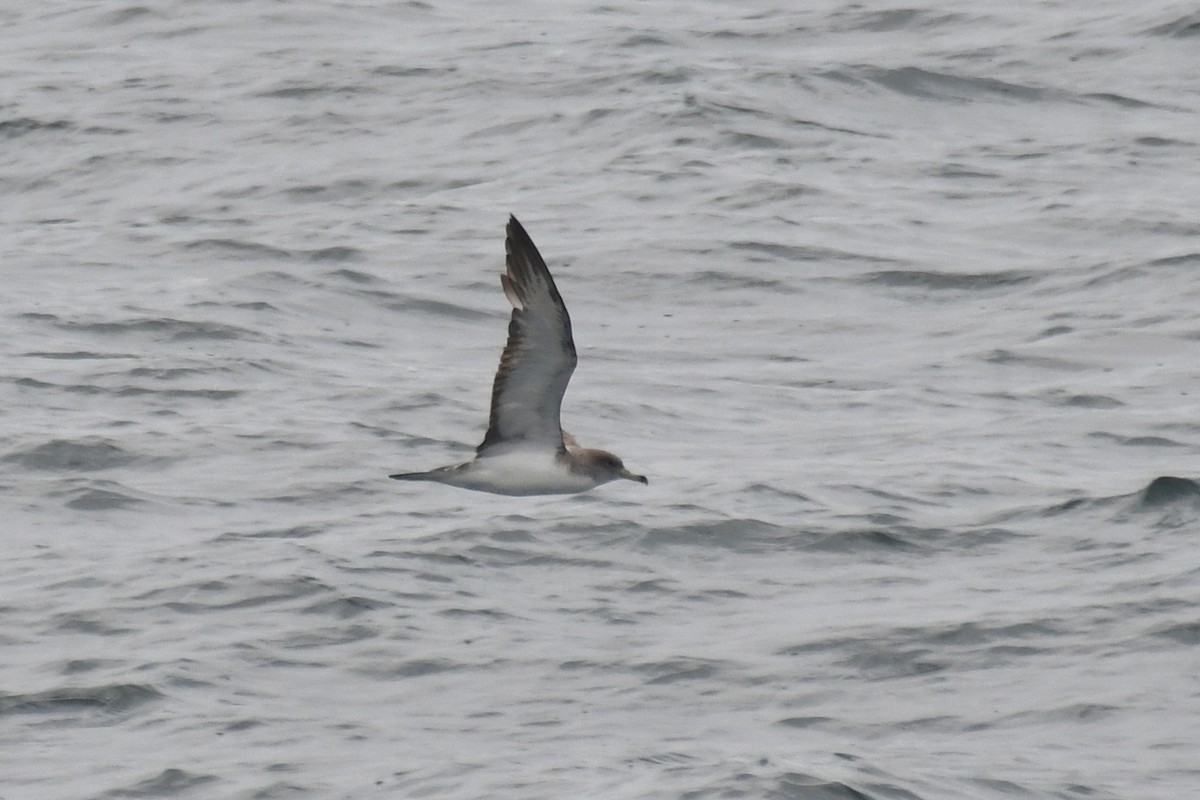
{"type": "Point", "coordinates": [525, 450]}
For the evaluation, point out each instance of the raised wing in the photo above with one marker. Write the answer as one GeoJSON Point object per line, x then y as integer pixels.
{"type": "Point", "coordinates": [540, 355]}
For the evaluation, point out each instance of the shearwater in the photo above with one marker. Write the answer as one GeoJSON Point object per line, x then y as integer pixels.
{"type": "Point", "coordinates": [525, 450]}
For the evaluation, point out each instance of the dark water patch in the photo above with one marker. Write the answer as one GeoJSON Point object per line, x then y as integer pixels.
{"type": "Point", "coordinates": [243, 725]}
{"type": "Point", "coordinates": [1119, 100]}
{"type": "Point", "coordinates": [416, 668]}
{"type": "Point", "coordinates": [86, 622]}
{"type": "Point", "coordinates": [128, 391]}
{"type": "Point", "coordinates": [255, 305]}
{"type": "Point", "coordinates": [22, 126]}
{"type": "Point", "coordinates": [517, 536]}
{"type": "Point", "coordinates": [355, 277]}
{"type": "Point", "coordinates": [655, 586]}
{"type": "Point", "coordinates": [1117, 275]}
{"type": "Point", "coordinates": [503, 131]}
{"type": "Point", "coordinates": [1136, 441]}
{"type": "Point", "coordinates": [89, 454]}
{"type": "Point", "coordinates": [518, 548]}
{"type": "Point", "coordinates": [97, 499]}
{"type": "Point", "coordinates": [309, 91]}
{"type": "Point", "coordinates": [725, 281]}
{"type": "Point", "coordinates": [1168, 491]}
{"type": "Point", "coordinates": [746, 535]}
{"type": "Point", "coordinates": [40, 316]}
{"type": "Point", "coordinates": [787, 252]}
{"type": "Point", "coordinates": [1053, 330]}
{"type": "Point", "coordinates": [332, 254]}
{"type": "Point", "coordinates": [799, 786]}
{"type": "Point", "coordinates": [78, 355]}
{"type": "Point", "coordinates": [974, 634]}
{"type": "Point", "coordinates": [109, 699]}
{"type": "Point", "coordinates": [666, 76]}
{"type": "Point", "coordinates": [936, 281]}
{"type": "Point", "coordinates": [758, 193]}
{"type": "Point", "coordinates": [1174, 499]}
{"type": "Point", "coordinates": [168, 373]}
{"type": "Point", "coordinates": [803, 722]}
{"type": "Point", "coordinates": [645, 40]}
{"type": "Point", "coordinates": [1187, 633]}
{"type": "Point", "coordinates": [1139, 271]}
{"type": "Point", "coordinates": [663, 758]}
{"type": "Point", "coordinates": [81, 666]}
{"type": "Point", "coordinates": [168, 783]}
{"type": "Point", "coordinates": [1183, 259]}
{"type": "Point", "coordinates": [474, 613]}
{"type": "Point", "coordinates": [406, 558]}
{"type": "Point", "coordinates": [775, 491]}
{"type": "Point", "coordinates": [1077, 712]}
{"type": "Point", "coordinates": [496, 555]}
{"type": "Point", "coordinates": [890, 791]}
{"type": "Point", "coordinates": [437, 308]}
{"type": "Point", "coordinates": [858, 541]}
{"type": "Point", "coordinates": [777, 251]}
{"type": "Point", "coordinates": [942, 86]}
{"type": "Point", "coordinates": [1184, 27]}
{"type": "Point", "coordinates": [889, 663]}
{"type": "Point", "coordinates": [1068, 507]}
{"type": "Point", "coordinates": [1085, 401]}
{"type": "Point", "coordinates": [179, 330]}
{"type": "Point", "coordinates": [547, 560]}
{"type": "Point", "coordinates": [201, 394]}
{"type": "Point", "coordinates": [405, 71]}
{"type": "Point", "coordinates": [912, 652]}
{"type": "Point", "coordinates": [245, 251]}
{"type": "Point", "coordinates": [740, 140]}
{"type": "Point", "coordinates": [289, 532]}
{"type": "Point", "coordinates": [982, 536]}
{"type": "Point", "coordinates": [1006, 358]}
{"type": "Point", "coordinates": [125, 15]}
{"type": "Point", "coordinates": [326, 193]}
{"type": "Point", "coordinates": [722, 594]}
{"type": "Point", "coordinates": [1160, 141]}
{"type": "Point", "coordinates": [283, 790]}
{"type": "Point", "coordinates": [742, 535]}
{"type": "Point", "coordinates": [237, 592]}
{"type": "Point", "coordinates": [1006, 788]}
{"type": "Point", "coordinates": [893, 20]}
{"type": "Point", "coordinates": [327, 637]}
{"type": "Point", "coordinates": [960, 172]}
{"type": "Point", "coordinates": [345, 607]}
{"type": "Point", "coordinates": [1151, 441]}
{"type": "Point", "coordinates": [677, 670]}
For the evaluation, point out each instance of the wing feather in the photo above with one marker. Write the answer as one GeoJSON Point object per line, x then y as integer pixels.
{"type": "Point", "coordinates": [540, 355]}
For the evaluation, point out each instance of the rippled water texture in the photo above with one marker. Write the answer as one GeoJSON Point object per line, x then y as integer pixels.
{"type": "Point", "coordinates": [896, 307]}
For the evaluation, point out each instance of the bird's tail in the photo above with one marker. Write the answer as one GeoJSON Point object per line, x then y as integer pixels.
{"type": "Point", "coordinates": [415, 476]}
{"type": "Point", "coordinates": [439, 475]}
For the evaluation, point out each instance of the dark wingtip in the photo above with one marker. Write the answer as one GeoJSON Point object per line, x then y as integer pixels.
{"type": "Point", "coordinates": [515, 228]}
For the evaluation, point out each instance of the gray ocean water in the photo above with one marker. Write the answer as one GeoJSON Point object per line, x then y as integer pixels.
{"type": "Point", "coordinates": [896, 306]}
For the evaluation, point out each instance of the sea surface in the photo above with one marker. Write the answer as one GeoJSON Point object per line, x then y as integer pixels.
{"type": "Point", "coordinates": [897, 306]}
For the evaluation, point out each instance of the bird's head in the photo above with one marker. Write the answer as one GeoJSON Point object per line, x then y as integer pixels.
{"type": "Point", "coordinates": [606, 466]}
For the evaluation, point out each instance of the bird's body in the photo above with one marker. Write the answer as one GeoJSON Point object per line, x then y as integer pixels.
{"type": "Point", "coordinates": [519, 472]}
{"type": "Point", "coordinates": [525, 450]}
